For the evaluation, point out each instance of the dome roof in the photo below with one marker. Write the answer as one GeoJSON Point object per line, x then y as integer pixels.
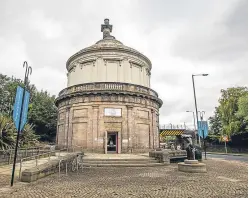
{"type": "Point", "coordinates": [107, 43]}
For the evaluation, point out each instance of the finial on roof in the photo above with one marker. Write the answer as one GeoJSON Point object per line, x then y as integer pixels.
{"type": "Point", "coordinates": [106, 28]}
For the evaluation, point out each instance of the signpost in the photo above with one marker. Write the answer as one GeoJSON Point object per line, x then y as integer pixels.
{"type": "Point", "coordinates": [20, 112]}
{"type": "Point", "coordinates": [225, 139]}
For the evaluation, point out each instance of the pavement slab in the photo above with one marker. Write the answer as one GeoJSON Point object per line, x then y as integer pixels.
{"type": "Point", "coordinates": [224, 179]}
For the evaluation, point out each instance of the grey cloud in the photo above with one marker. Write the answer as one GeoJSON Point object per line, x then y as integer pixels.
{"type": "Point", "coordinates": [198, 38]}
{"type": "Point", "coordinates": [224, 41]}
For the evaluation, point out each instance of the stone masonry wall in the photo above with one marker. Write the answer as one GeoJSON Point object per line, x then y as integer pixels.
{"type": "Point", "coordinates": [83, 125]}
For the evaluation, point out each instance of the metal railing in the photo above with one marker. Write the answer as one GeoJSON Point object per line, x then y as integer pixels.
{"type": "Point", "coordinates": [7, 156]}
{"type": "Point", "coordinates": [37, 157]}
{"type": "Point", "coordinates": [73, 166]}
{"type": "Point", "coordinates": [176, 126]}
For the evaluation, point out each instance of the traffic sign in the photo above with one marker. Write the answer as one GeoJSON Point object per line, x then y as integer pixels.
{"type": "Point", "coordinates": [225, 138]}
{"type": "Point", "coordinates": [17, 106]}
{"type": "Point", "coordinates": [202, 126]}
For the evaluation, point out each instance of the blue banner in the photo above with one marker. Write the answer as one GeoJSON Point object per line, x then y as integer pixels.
{"type": "Point", "coordinates": [202, 126]}
{"type": "Point", "coordinates": [17, 106]}
{"type": "Point", "coordinates": [25, 109]}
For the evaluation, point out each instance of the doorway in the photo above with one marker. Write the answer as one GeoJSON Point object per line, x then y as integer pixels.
{"type": "Point", "coordinates": [112, 142]}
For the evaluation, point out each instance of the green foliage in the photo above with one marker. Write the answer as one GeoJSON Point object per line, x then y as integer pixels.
{"type": "Point", "coordinates": [215, 124]}
{"type": "Point", "coordinates": [28, 137]}
{"type": "Point", "coordinates": [42, 114]}
{"type": "Point", "coordinates": [5, 101]}
{"type": "Point", "coordinates": [231, 116]}
{"type": "Point", "coordinates": [242, 113]}
{"type": "Point", "coordinates": [8, 134]}
{"type": "Point", "coordinates": [7, 137]}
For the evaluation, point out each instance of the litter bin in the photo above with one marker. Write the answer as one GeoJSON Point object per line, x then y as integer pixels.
{"type": "Point", "coordinates": [198, 153]}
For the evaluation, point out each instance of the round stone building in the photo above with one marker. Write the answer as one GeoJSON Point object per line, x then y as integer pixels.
{"type": "Point", "coordinates": [108, 106]}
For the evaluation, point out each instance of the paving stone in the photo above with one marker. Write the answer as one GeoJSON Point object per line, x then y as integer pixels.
{"type": "Point", "coordinates": [224, 179]}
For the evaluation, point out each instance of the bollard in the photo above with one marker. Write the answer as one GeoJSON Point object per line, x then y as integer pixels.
{"type": "Point", "coordinates": [36, 160]}
{"type": "Point", "coordinates": [9, 158]}
{"type": "Point", "coordinates": [10, 155]}
{"type": "Point", "coordinates": [49, 156]}
{"type": "Point", "coordinates": [66, 168]}
{"type": "Point", "coordinates": [77, 164]}
{"type": "Point", "coordinates": [26, 152]}
{"type": "Point", "coordinates": [20, 171]}
{"type": "Point", "coordinates": [81, 161]}
{"type": "Point", "coordinates": [59, 168]}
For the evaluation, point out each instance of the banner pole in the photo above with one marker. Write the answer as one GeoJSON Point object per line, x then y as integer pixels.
{"type": "Point", "coordinates": [17, 140]}
{"type": "Point", "coordinates": [27, 72]}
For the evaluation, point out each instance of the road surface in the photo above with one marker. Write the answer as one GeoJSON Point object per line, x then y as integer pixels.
{"type": "Point", "coordinates": [243, 158]}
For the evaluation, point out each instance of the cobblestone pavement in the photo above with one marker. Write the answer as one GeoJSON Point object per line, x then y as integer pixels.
{"type": "Point", "coordinates": [223, 179]}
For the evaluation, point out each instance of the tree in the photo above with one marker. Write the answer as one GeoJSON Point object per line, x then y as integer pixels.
{"type": "Point", "coordinates": [229, 107]}
{"type": "Point", "coordinates": [7, 137]}
{"type": "Point", "coordinates": [215, 125]}
{"type": "Point", "coordinates": [28, 138]}
{"type": "Point", "coordinates": [242, 113]}
{"type": "Point", "coordinates": [231, 115]}
{"type": "Point", "coordinates": [4, 93]}
{"type": "Point", "coordinates": [8, 134]}
{"type": "Point", "coordinates": [43, 114]}
{"type": "Point", "coordinates": [8, 88]}
{"type": "Point", "coordinates": [42, 111]}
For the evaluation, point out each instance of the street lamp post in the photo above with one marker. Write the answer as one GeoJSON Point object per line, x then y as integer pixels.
{"type": "Point", "coordinates": [193, 118]}
{"type": "Point", "coordinates": [194, 122]}
{"type": "Point", "coordinates": [196, 111]}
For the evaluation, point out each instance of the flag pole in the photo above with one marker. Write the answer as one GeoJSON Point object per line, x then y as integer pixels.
{"type": "Point", "coordinates": [27, 72]}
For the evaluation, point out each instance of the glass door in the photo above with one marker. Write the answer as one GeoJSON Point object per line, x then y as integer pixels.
{"type": "Point", "coordinates": [112, 142]}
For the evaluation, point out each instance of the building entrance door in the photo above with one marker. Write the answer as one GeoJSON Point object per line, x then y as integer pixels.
{"type": "Point", "coordinates": [112, 142]}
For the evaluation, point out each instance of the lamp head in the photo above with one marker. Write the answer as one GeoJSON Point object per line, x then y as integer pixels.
{"type": "Point", "coordinates": [199, 74]}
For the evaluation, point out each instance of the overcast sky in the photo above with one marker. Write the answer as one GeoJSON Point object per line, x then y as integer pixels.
{"type": "Point", "coordinates": [180, 37]}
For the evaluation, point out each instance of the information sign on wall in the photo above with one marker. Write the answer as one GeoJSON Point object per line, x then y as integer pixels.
{"type": "Point", "coordinates": [112, 112]}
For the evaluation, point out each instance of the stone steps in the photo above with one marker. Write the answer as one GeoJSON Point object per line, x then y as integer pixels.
{"type": "Point", "coordinates": [120, 160]}
{"type": "Point", "coordinates": [105, 162]}
{"type": "Point", "coordinates": [121, 165]}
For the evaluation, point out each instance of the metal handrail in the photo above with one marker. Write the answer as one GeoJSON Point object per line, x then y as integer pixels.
{"type": "Point", "coordinates": [9, 154]}
{"type": "Point", "coordinates": [21, 149]}
{"type": "Point", "coordinates": [36, 158]}
{"type": "Point", "coordinates": [66, 168]}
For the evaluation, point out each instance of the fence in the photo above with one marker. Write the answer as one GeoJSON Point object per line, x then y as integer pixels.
{"type": "Point", "coordinates": [230, 149]}
{"type": "Point", "coordinates": [7, 156]}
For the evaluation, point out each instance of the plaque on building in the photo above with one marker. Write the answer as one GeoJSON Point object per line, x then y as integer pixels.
{"type": "Point", "coordinates": [112, 112]}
